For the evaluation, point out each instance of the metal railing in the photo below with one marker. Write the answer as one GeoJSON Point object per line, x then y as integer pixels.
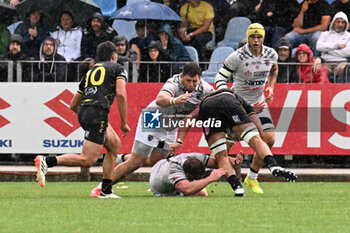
{"type": "Point", "coordinates": [29, 71]}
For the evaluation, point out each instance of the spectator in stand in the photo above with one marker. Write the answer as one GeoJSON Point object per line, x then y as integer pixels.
{"type": "Point", "coordinates": [174, 5]}
{"type": "Point", "coordinates": [155, 71]}
{"type": "Point", "coordinates": [139, 45]}
{"type": "Point", "coordinates": [197, 26]}
{"type": "Point", "coordinates": [344, 77]}
{"type": "Point", "coordinates": [48, 70]}
{"type": "Point", "coordinates": [33, 32]}
{"type": "Point", "coordinates": [222, 13]}
{"type": "Point", "coordinates": [4, 38]}
{"type": "Point", "coordinates": [277, 17]}
{"type": "Point", "coordinates": [313, 18]}
{"type": "Point", "coordinates": [286, 73]}
{"type": "Point", "coordinates": [135, 43]}
{"type": "Point", "coordinates": [125, 54]}
{"type": "Point", "coordinates": [171, 45]}
{"type": "Point", "coordinates": [341, 5]}
{"type": "Point", "coordinates": [334, 45]}
{"type": "Point", "coordinates": [13, 53]}
{"type": "Point", "coordinates": [68, 37]}
{"type": "Point", "coordinates": [68, 40]}
{"type": "Point", "coordinates": [315, 73]}
{"type": "Point", "coordinates": [96, 32]}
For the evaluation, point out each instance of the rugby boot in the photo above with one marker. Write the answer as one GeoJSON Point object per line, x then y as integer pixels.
{"type": "Point", "coordinates": [41, 168]}
{"type": "Point", "coordinates": [109, 195]}
{"type": "Point", "coordinates": [254, 184]}
{"type": "Point", "coordinates": [289, 175]}
{"type": "Point", "coordinates": [239, 191]}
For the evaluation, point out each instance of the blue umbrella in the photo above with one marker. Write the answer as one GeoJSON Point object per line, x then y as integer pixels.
{"type": "Point", "coordinates": [146, 10]}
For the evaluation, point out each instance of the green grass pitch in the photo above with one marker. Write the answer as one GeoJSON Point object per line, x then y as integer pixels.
{"type": "Point", "coordinates": [67, 207]}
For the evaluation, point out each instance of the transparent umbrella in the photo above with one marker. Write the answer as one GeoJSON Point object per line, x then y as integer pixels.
{"type": "Point", "coordinates": [146, 10]}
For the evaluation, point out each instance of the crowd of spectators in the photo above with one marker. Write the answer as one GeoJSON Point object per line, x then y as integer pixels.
{"type": "Point", "coordinates": [315, 29]}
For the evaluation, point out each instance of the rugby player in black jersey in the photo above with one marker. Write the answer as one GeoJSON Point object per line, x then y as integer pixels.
{"type": "Point", "coordinates": [97, 90]}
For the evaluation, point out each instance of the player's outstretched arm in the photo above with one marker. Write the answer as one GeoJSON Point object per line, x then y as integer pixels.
{"type": "Point", "coordinates": [191, 187]}
{"type": "Point", "coordinates": [212, 163]}
{"type": "Point", "coordinates": [164, 99]}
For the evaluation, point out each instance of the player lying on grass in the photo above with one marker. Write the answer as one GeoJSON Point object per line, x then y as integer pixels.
{"type": "Point", "coordinates": [233, 113]}
{"type": "Point", "coordinates": [184, 174]}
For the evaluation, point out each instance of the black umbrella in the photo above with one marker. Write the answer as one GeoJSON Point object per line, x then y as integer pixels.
{"type": "Point", "coordinates": [8, 14]}
{"type": "Point", "coordinates": [51, 10]}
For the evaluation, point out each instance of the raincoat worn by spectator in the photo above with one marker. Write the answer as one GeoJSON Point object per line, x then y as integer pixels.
{"type": "Point", "coordinates": [48, 70]}
{"type": "Point", "coordinates": [175, 48]}
{"type": "Point", "coordinates": [32, 43]}
{"type": "Point", "coordinates": [305, 72]}
{"type": "Point", "coordinates": [155, 72]}
{"type": "Point", "coordinates": [16, 54]}
{"type": "Point", "coordinates": [90, 41]}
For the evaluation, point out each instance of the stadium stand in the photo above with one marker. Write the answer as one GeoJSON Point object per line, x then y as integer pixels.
{"type": "Point", "coordinates": [193, 53]}
{"type": "Point", "coordinates": [217, 58]}
{"type": "Point", "coordinates": [235, 32]}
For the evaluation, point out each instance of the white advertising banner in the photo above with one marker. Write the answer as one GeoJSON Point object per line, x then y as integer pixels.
{"type": "Point", "coordinates": [36, 118]}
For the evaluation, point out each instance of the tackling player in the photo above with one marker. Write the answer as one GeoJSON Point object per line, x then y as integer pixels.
{"type": "Point", "coordinates": [179, 96]}
{"type": "Point", "coordinates": [252, 66]}
{"type": "Point", "coordinates": [96, 93]}
{"type": "Point", "coordinates": [182, 175]}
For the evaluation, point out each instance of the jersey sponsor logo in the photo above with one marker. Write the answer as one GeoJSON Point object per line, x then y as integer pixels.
{"type": "Point", "coordinates": [151, 119]}
{"type": "Point", "coordinates": [248, 72]}
{"type": "Point", "coordinates": [67, 122]}
{"type": "Point", "coordinates": [256, 63]}
{"type": "Point", "coordinates": [3, 105]}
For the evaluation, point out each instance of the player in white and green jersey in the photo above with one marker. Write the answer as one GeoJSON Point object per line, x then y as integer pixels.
{"type": "Point", "coordinates": [252, 67]}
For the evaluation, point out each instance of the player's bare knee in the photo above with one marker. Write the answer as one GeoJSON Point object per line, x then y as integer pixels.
{"type": "Point", "coordinates": [268, 138]}
{"type": "Point", "coordinates": [113, 144]}
{"type": "Point", "coordinates": [136, 160]}
{"type": "Point", "coordinates": [88, 162]}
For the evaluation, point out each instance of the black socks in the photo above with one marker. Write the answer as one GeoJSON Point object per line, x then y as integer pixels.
{"type": "Point", "coordinates": [107, 186]}
{"type": "Point", "coordinates": [270, 161]}
{"type": "Point", "coordinates": [51, 161]}
{"type": "Point", "coordinates": [233, 181]}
